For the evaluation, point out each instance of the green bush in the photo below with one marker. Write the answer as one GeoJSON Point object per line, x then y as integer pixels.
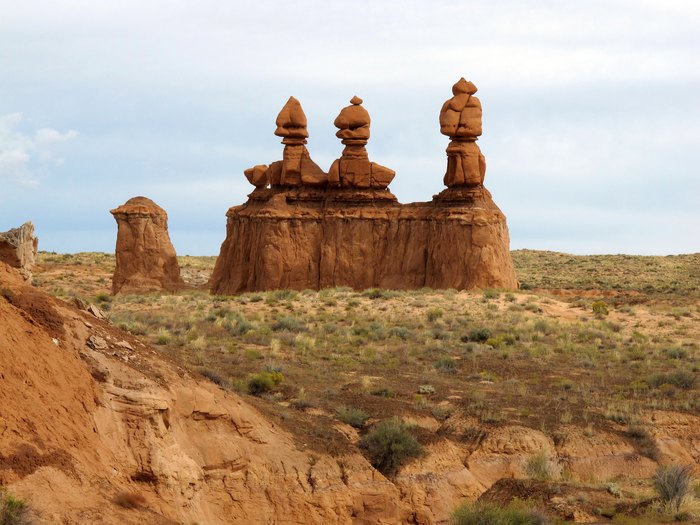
{"type": "Point", "coordinates": [290, 324]}
{"type": "Point", "coordinates": [352, 416]}
{"type": "Point", "coordinates": [681, 379]}
{"type": "Point", "coordinates": [539, 466]}
{"type": "Point", "coordinates": [389, 445]}
{"type": "Point", "coordinates": [433, 314]}
{"type": "Point", "coordinates": [478, 335]}
{"type": "Point", "coordinates": [493, 514]}
{"type": "Point", "coordinates": [673, 484]}
{"type": "Point", "coordinates": [263, 382]}
{"type": "Point", "coordinates": [600, 308]}
{"type": "Point", "coordinates": [13, 511]}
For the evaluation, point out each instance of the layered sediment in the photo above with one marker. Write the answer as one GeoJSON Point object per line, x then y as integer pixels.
{"type": "Point", "coordinates": [346, 228]}
{"type": "Point", "coordinates": [146, 259]}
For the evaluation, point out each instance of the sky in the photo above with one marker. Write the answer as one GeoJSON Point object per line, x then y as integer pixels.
{"type": "Point", "coordinates": [591, 110]}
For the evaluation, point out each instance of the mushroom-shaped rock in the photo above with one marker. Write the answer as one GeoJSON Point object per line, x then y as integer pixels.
{"type": "Point", "coordinates": [354, 169]}
{"type": "Point", "coordinates": [291, 121]}
{"type": "Point", "coordinates": [146, 259]}
{"type": "Point", "coordinates": [353, 122]}
{"type": "Point", "coordinates": [296, 167]}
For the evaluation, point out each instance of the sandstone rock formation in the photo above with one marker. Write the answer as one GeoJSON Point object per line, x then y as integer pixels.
{"type": "Point", "coordinates": [350, 231]}
{"type": "Point", "coordinates": [460, 119]}
{"type": "Point", "coordinates": [353, 169]}
{"type": "Point", "coordinates": [146, 259]}
{"type": "Point", "coordinates": [18, 248]}
{"type": "Point", "coordinates": [296, 167]}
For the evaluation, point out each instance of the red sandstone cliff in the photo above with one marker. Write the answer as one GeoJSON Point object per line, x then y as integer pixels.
{"type": "Point", "coordinates": [349, 230]}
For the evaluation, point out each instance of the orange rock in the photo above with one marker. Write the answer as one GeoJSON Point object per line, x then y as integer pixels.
{"type": "Point", "coordinates": [354, 169]}
{"type": "Point", "coordinates": [460, 119]}
{"type": "Point", "coordinates": [351, 231]}
{"type": "Point", "coordinates": [296, 167]}
{"type": "Point", "coordinates": [146, 259]}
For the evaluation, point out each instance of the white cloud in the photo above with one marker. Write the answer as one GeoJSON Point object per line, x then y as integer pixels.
{"type": "Point", "coordinates": [24, 156]}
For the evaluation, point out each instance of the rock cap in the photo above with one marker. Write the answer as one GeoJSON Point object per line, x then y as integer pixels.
{"type": "Point", "coordinates": [291, 121]}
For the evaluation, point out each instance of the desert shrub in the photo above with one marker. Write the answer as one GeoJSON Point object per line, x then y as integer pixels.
{"type": "Point", "coordinates": [681, 379]}
{"type": "Point", "coordinates": [491, 293]}
{"type": "Point", "coordinates": [433, 314]}
{"type": "Point", "coordinates": [263, 382]}
{"type": "Point", "coordinates": [400, 331]}
{"type": "Point", "coordinates": [644, 442]}
{"type": "Point", "coordinates": [676, 353]}
{"type": "Point", "coordinates": [673, 484]}
{"type": "Point", "coordinates": [478, 335]}
{"type": "Point", "coordinates": [13, 511]}
{"type": "Point", "coordinates": [600, 308]}
{"type": "Point", "coordinates": [283, 295]}
{"type": "Point", "coordinates": [290, 324]}
{"type": "Point", "coordinates": [352, 416]}
{"type": "Point", "coordinates": [446, 365]}
{"type": "Point", "coordinates": [389, 445]}
{"type": "Point", "coordinates": [215, 377]}
{"type": "Point", "coordinates": [539, 466]}
{"type": "Point", "coordinates": [383, 392]}
{"type": "Point", "coordinates": [374, 293]}
{"type": "Point", "coordinates": [494, 514]}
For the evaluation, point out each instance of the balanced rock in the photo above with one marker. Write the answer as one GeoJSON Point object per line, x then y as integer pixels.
{"type": "Point", "coordinates": [351, 231]}
{"type": "Point", "coordinates": [460, 119]}
{"type": "Point", "coordinates": [296, 167]}
{"type": "Point", "coordinates": [18, 248]}
{"type": "Point", "coordinates": [354, 169]}
{"type": "Point", "coordinates": [146, 259]}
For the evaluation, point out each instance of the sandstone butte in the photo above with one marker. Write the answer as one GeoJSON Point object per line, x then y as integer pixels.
{"type": "Point", "coordinates": [302, 228]}
{"type": "Point", "coordinates": [18, 248]}
{"type": "Point", "coordinates": [134, 429]}
{"type": "Point", "coordinates": [146, 259]}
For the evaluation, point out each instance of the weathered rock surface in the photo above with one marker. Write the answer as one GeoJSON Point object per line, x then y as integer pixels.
{"type": "Point", "coordinates": [18, 248]}
{"type": "Point", "coordinates": [146, 259]}
{"type": "Point", "coordinates": [132, 423]}
{"type": "Point", "coordinates": [349, 230]}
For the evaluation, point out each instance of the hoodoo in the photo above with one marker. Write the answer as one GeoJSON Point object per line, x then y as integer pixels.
{"type": "Point", "coordinates": [146, 259]}
{"type": "Point", "coordinates": [302, 228]}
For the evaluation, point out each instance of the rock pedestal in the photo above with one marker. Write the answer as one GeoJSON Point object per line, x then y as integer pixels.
{"type": "Point", "coordinates": [18, 248]}
{"type": "Point", "coordinates": [146, 259]}
{"type": "Point", "coordinates": [350, 230]}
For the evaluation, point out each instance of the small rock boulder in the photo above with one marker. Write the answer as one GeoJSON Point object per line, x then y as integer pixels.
{"type": "Point", "coordinates": [146, 259]}
{"type": "Point", "coordinates": [18, 248]}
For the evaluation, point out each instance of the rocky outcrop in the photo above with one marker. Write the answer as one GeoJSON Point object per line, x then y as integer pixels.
{"type": "Point", "coordinates": [347, 228]}
{"type": "Point", "coordinates": [146, 259]}
{"type": "Point", "coordinates": [18, 248]}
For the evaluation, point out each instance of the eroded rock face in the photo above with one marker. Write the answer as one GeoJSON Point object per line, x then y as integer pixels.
{"type": "Point", "coordinates": [146, 259]}
{"type": "Point", "coordinates": [18, 248]}
{"type": "Point", "coordinates": [349, 229]}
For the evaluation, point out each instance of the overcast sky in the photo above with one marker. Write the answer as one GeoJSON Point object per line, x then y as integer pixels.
{"type": "Point", "coordinates": [591, 110]}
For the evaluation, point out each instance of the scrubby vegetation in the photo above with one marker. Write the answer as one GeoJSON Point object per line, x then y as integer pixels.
{"type": "Point", "coordinates": [491, 514]}
{"type": "Point", "coordinates": [389, 445]}
{"type": "Point", "coordinates": [589, 344]}
{"type": "Point", "coordinates": [13, 511]}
